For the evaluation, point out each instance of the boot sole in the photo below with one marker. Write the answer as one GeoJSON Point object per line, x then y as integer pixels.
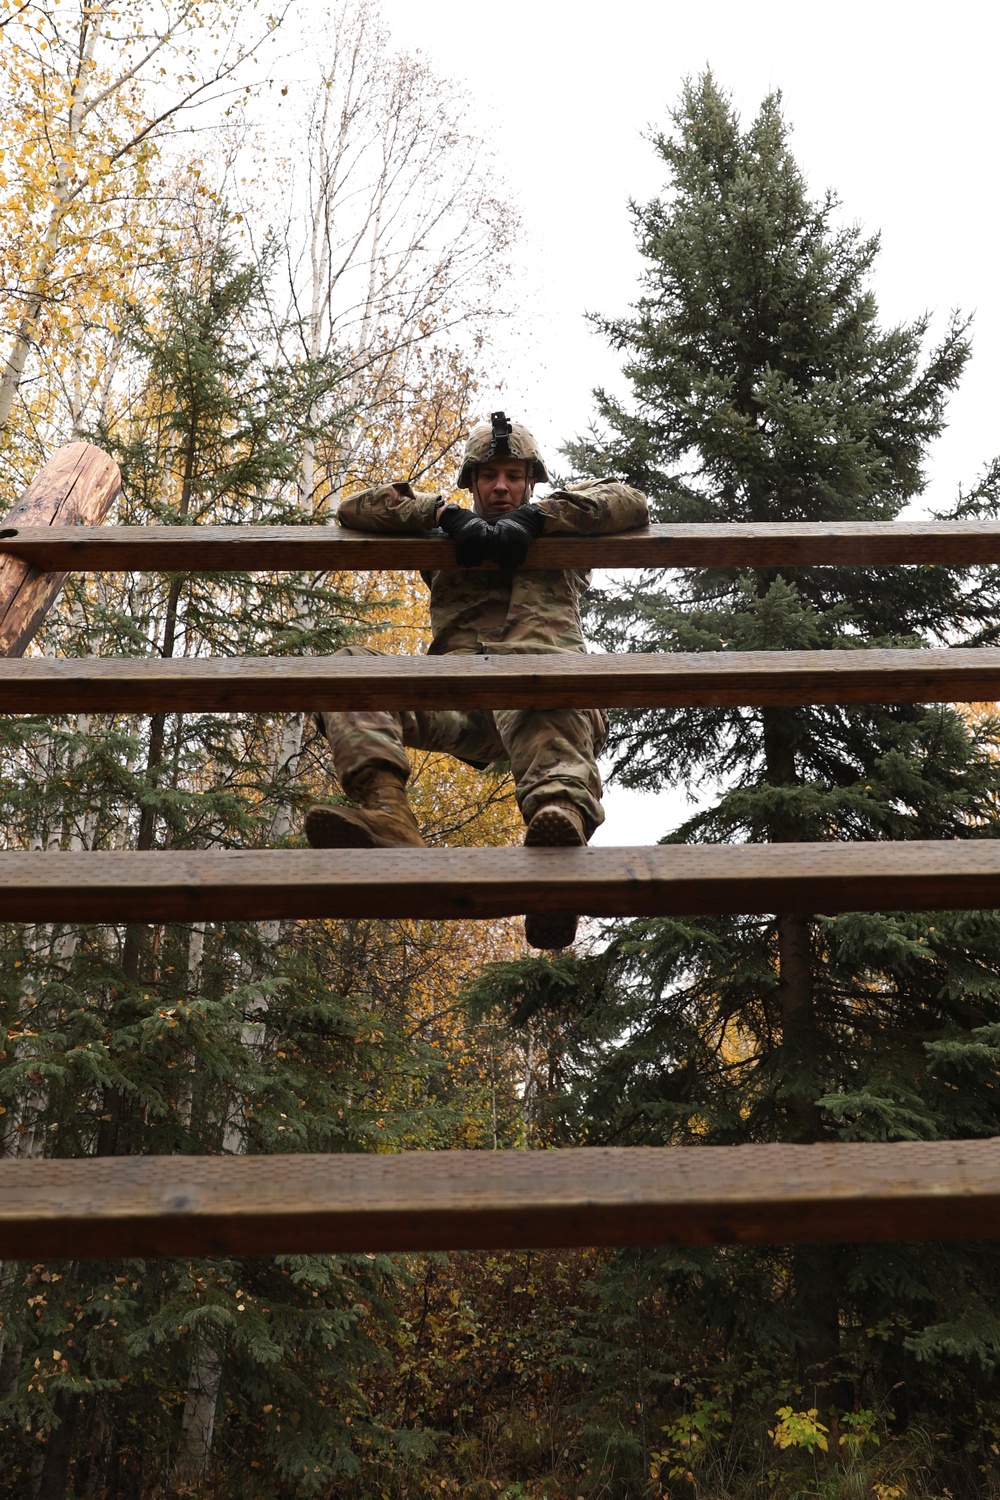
{"type": "Point", "coordinates": [551, 828]}
{"type": "Point", "coordinates": [550, 929]}
{"type": "Point", "coordinates": [325, 828]}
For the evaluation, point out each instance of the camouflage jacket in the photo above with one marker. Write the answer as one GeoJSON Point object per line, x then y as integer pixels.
{"type": "Point", "coordinates": [489, 611]}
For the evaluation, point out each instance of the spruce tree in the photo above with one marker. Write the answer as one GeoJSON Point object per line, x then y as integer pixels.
{"type": "Point", "coordinates": [762, 387]}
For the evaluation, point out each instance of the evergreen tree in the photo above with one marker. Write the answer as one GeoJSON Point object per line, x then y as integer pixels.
{"type": "Point", "coordinates": [763, 388]}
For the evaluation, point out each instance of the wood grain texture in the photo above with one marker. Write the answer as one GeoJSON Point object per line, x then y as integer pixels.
{"type": "Point", "coordinates": [290, 684]}
{"type": "Point", "coordinates": [76, 486]}
{"type": "Point", "coordinates": [333, 548]}
{"type": "Point", "coordinates": [265, 884]}
{"type": "Point", "coordinates": [451, 1200]}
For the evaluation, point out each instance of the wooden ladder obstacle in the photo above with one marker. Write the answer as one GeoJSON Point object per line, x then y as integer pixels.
{"type": "Point", "coordinates": [506, 1199]}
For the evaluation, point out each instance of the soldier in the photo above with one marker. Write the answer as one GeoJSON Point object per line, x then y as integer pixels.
{"type": "Point", "coordinates": [552, 752]}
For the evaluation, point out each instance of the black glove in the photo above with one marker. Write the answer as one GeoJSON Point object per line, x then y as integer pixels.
{"type": "Point", "coordinates": [512, 534]}
{"type": "Point", "coordinates": [472, 537]}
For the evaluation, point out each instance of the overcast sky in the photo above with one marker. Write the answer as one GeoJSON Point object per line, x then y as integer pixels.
{"type": "Point", "coordinates": [893, 106]}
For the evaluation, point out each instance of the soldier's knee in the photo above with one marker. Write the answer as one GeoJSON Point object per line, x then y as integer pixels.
{"type": "Point", "coordinates": [599, 727]}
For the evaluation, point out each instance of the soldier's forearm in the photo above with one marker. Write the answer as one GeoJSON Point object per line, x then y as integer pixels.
{"type": "Point", "coordinates": [592, 507]}
{"type": "Point", "coordinates": [390, 507]}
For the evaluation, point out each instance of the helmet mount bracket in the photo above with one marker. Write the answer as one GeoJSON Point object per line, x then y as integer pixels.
{"type": "Point", "coordinates": [502, 430]}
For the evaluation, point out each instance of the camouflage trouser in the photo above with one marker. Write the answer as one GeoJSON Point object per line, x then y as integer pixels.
{"type": "Point", "coordinates": [552, 751]}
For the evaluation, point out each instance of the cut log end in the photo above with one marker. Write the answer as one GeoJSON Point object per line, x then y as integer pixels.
{"type": "Point", "coordinates": [77, 487]}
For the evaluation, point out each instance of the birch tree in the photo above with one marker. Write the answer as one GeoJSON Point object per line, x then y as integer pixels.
{"type": "Point", "coordinates": [396, 244]}
{"type": "Point", "coordinates": [89, 93]}
{"type": "Point", "coordinates": [399, 233]}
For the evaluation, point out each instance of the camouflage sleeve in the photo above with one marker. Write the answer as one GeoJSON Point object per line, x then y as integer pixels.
{"type": "Point", "coordinates": [389, 507]}
{"type": "Point", "coordinates": [594, 505]}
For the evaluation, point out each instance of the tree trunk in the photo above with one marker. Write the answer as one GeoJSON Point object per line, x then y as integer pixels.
{"type": "Point", "coordinates": [801, 1044]}
{"type": "Point", "coordinates": [10, 381]}
{"type": "Point", "coordinates": [802, 1051]}
{"type": "Point", "coordinates": [53, 1477]}
{"type": "Point", "coordinates": [112, 1140]}
{"type": "Point", "coordinates": [198, 1422]}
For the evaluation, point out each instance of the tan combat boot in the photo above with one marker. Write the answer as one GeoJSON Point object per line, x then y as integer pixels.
{"type": "Point", "coordinates": [384, 820]}
{"type": "Point", "coordinates": [556, 825]}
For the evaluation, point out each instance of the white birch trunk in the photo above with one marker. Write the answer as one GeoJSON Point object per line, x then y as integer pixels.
{"type": "Point", "coordinates": [194, 1452]}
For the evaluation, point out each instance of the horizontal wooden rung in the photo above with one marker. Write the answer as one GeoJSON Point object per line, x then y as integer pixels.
{"type": "Point", "coordinates": [288, 684]}
{"type": "Point", "coordinates": [212, 549]}
{"type": "Point", "coordinates": [697, 880]}
{"type": "Point", "coordinates": [453, 1200]}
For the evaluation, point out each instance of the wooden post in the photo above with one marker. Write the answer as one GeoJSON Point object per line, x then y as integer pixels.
{"type": "Point", "coordinates": [76, 488]}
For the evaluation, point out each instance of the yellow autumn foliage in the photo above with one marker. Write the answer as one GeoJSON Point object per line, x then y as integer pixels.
{"type": "Point", "coordinates": [88, 93]}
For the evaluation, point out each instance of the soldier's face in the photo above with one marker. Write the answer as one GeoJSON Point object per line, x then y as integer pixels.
{"type": "Point", "coordinates": [501, 486]}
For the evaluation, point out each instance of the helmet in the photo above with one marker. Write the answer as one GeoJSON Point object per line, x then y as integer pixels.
{"type": "Point", "coordinates": [500, 439]}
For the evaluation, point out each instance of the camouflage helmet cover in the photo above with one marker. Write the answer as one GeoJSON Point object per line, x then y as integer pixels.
{"type": "Point", "coordinates": [499, 438]}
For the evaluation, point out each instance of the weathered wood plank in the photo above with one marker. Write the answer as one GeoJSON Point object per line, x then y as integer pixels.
{"type": "Point", "coordinates": [75, 488]}
{"type": "Point", "coordinates": [263, 884]}
{"type": "Point", "coordinates": [333, 548]}
{"type": "Point", "coordinates": [289, 684]}
{"type": "Point", "coordinates": [451, 1200]}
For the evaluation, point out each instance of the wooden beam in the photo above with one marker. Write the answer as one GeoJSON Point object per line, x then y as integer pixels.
{"type": "Point", "coordinates": [334, 549]}
{"type": "Point", "coordinates": [452, 1200]}
{"type": "Point", "coordinates": [661, 880]}
{"type": "Point", "coordinates": [290, 684]}
{"type": "Point", "coordinates": [76, 488]}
